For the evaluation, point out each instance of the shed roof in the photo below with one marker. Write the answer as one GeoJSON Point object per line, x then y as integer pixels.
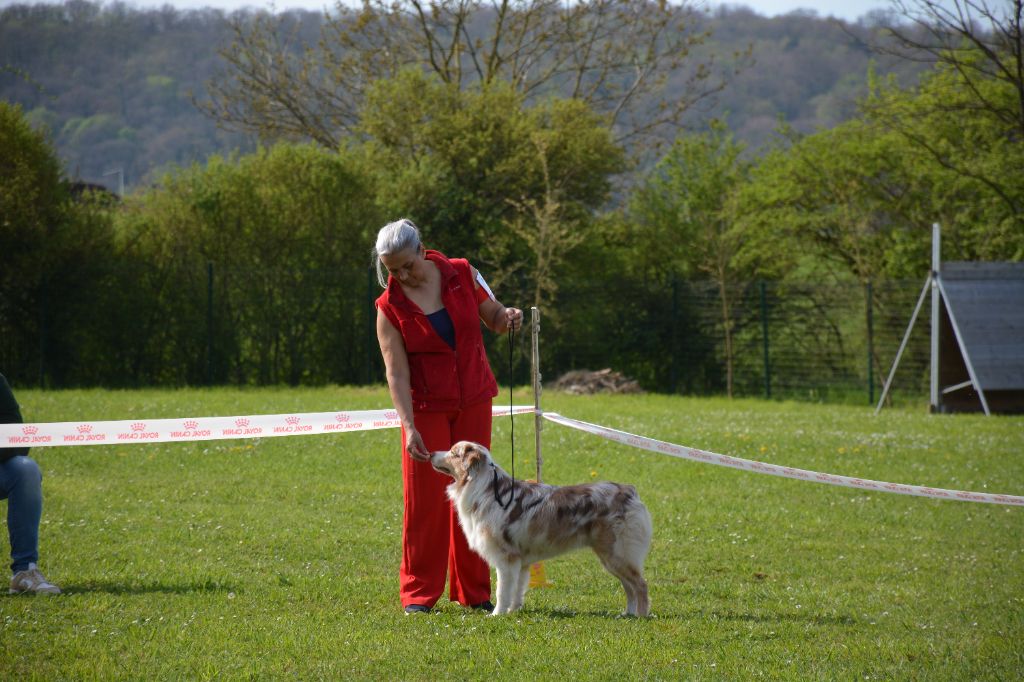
{"type": "Point", "coordinates": [987, 300]}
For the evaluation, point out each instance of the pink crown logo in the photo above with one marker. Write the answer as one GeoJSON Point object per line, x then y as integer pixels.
{"type": "Point", "coordinates": [391, 414]}
{"type": "Point", "coordinates": [30, 430]}
{"type": "Point", "coordinates": [341, 417]}
{"type": "Point", "coordinates": [241, 422]}
{"type": "Point", "coordinates": [292, 420]}
{"type": "Point", "coordinates": [139, 426]}
{"type": "Point", "coordinates": [191, 424]}
{"type": "Point", "coordinates": [85, 428]}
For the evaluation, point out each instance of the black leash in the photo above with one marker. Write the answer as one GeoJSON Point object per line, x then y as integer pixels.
{"type": "Point", "coordinates": [511, 412]}
{"type": "Point", "coordinates": [512, 421]}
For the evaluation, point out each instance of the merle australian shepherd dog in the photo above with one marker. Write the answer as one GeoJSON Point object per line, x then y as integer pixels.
{"type": "Point", "coordinates": [513, 524]}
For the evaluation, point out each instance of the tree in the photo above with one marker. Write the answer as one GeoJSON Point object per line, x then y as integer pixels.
{"type": "Point", "coordinates": [840, 201]}
{"type": "Point", "coordinates": [686, 215]}
{"type": "Point", "coordinates": [981, 41]}
{"type": "Point", "coordinates": [856, 202]}
{"type": "Point", "coordinates": [544, 228]}
{"type": "Point", "coordinates": [615, 55]}
{"type": "Point", "coordinates": [287, 230]}
{"type": "Point", "coordinates": [485, 175]}
{"type": "Point", "coordinates": [863, 195]}
{"type": "Point", "coordinates": [971, 155]}
{"type": "Point", "coordinates": [57, 254]}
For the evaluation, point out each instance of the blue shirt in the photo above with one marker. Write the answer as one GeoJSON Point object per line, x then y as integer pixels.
{"type": "Point", "coordinates": [441, 321]}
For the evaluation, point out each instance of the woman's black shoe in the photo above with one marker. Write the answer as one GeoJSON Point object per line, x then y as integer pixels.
{"type": "Point", "coordinates": [416, 608]}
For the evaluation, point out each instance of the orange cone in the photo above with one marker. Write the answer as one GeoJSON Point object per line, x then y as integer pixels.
{"type": "Point", "coordinates": [538, 577]}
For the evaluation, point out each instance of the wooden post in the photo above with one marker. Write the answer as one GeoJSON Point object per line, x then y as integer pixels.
{"type": "Point", "coordinates": [538, 420]}
{"type": "Point", "coordinates": [537, 576]}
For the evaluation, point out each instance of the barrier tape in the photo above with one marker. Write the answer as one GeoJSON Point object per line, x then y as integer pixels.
{"type": "Point", "coordinates": [52, 434]}
{"type": "Point", "coordinates": [695, 455]}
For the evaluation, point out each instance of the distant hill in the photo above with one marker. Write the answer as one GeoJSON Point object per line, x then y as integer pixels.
{"type": "Point", "coordinates": [112, 83]}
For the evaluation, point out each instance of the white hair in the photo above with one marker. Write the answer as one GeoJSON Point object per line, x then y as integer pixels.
{"type": "Point", "coordinates": [394, 238]}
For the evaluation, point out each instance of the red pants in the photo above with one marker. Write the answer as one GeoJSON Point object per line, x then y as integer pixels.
{"type": "Point", "coordinates": [432, 540]}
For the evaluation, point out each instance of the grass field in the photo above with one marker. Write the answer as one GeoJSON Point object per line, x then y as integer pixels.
{"type": "Point", "coordinates": [278, 558]}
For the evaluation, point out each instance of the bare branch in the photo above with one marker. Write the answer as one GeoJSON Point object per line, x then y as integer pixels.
{"type": "Point", "coordinates": [969, 36]}
{"type": "Point", "coordinates": [626, 58]}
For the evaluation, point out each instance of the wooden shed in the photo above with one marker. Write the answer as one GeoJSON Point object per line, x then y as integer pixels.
{"type": "Point", "coordinates": [981, 337]}
{"type": "Point", "coordinates": [977, 335]}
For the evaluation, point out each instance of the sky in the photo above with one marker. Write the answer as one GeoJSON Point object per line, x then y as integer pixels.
{"type": "Point", "coordinates": [850, 10]}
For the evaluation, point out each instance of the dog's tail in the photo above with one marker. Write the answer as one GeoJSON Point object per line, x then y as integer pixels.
{"type": "Point", "coordinates": [638, 519]}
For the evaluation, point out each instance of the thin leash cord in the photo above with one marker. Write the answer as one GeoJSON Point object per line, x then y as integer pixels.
{"type": "Point", "coordinates": [512, 488]}
{"type": "Point", "coordinates": [511, 416]}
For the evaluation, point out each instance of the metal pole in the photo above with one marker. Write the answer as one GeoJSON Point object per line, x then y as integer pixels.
{"type": "Point", "coordinates": [869, 302]}
{"type": "Point", "coordinates": [764, 335]}
{"type": "Point", "coordinates": [934, 402]}
{"type": "Point", "coordinates": [538, 420]}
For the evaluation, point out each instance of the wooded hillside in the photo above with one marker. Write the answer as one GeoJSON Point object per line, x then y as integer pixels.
{"type": "Point", "coordinates": [114, 85]}
{"type": "Point", "coordinates": [527, 142]}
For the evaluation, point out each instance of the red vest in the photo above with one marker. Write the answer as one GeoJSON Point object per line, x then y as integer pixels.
{"type": "Point", "coordinates": [443, 379]}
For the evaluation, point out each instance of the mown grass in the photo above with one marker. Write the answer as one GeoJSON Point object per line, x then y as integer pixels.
{"type": "Point", "coordinates": [278, 558]}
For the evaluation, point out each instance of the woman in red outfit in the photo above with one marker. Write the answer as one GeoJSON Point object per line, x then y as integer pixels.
{"type": "Point", "coordinates": [428, 326]}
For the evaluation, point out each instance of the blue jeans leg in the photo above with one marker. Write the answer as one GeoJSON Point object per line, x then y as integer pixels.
{"type": "Point", "coordinates": [21, 482]}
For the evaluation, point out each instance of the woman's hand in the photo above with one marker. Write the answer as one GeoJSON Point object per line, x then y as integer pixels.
{"type": "Point", "coordinates": [513, 319]}
{"type": "Point", "coordinates": [415, 447]}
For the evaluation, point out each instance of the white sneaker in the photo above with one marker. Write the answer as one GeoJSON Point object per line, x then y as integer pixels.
{"type": "Point", "coordinates": [31, 580]}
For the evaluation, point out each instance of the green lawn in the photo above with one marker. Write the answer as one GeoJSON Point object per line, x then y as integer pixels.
{"type": "Point", "coordinates": [278, 558]}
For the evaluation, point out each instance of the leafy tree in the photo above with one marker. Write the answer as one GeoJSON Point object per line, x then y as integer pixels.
{"type": "Point", "coordinates": [840, 201]}
{"type": "Point", "coordinates": [981, 41]}
{"type": "Point", "coordinates": [971, 155]}
{"type": "Point", "coordinates": [287, 231]}
{"type": "Point", "coordinates": [508, 185]}
{"type": "Point", "coordinates": [685, 213]}
{"type": "Point", "coordinates": [864, 194]}
{"type": "Point", "coordinates": [33, 207]}
{"type": "Point", "coordinates": [56, 255]}
{"type": "Point", "coordinates": [615, 55]}
{"type": "Point", "coordinates": [857, 201]}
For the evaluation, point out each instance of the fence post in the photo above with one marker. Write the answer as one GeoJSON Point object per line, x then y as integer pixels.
{"type": "Point", "coordinates": [43, 304]}
{"type": "Point", "coordinates": [764, 335]}
{"type": "Point", "coordinates": [673, 375]}
{"type": "Point", "coordinates": [209, 323]}
{"type": "Point", "coordinates": [869, 302]}
{"type": "Point", "coordinates": [369, 324]}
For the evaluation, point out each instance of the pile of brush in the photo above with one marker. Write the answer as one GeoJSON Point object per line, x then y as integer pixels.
{"type": "Point", "coordinates": [586, 382]}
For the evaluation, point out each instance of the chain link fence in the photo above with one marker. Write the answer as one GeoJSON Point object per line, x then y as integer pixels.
{"type": "Point", "coordinates": [199, 324]}
{"type": "Point", "coordinates": [802, 341]}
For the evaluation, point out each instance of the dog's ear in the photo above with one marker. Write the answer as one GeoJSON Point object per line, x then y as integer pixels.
{"type": "Point", "coordinates": [472, 456]}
